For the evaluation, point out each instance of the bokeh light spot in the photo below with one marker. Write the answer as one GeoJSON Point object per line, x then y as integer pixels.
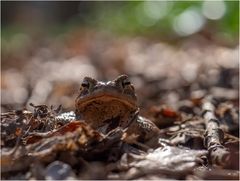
{"type": "Point", "coordinates": [189, 22]}
{"type": "Point", "coordinates": [213, 10]}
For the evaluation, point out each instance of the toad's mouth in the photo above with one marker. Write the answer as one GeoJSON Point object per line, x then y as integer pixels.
{"type": "Point", "coordinates": [106, 97]}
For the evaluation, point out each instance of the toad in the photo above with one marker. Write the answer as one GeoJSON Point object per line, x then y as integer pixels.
{"type": "Point", "coordinates": [111, 104]}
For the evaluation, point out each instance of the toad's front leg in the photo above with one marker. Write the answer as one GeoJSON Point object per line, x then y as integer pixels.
{"type": "Point", "coordinates": [145, 132]}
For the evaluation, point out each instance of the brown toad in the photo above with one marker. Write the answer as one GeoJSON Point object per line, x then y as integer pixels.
{"type": "Point", "coordinates": [107, 105]}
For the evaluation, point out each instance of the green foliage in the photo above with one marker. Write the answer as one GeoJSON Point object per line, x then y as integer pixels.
{"type": "Point", "coordinates": [139, 17]}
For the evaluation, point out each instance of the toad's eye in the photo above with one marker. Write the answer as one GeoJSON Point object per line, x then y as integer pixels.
{"type": "Point", "coordinates": [122, 81]}
{"type": "Point", "coordinates": [125, 82]}
{"type": "Point", "coordinates": [88, 83]}
{"type": "Point", "coordinates": [85, 84]}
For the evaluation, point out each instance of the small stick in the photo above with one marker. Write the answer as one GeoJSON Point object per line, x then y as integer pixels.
{"type": "Point", "coordinates": [213, 137]}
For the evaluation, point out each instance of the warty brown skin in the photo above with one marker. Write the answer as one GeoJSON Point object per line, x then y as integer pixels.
{"type": "Point", "coordinates": [107, 105]}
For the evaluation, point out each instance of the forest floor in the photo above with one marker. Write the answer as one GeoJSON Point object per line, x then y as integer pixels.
{"type": "Point", "coordinates": [190, 90]}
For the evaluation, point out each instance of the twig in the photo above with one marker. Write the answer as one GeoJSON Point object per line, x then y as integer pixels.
{"type": "Point", "coordinates": [213, 137]}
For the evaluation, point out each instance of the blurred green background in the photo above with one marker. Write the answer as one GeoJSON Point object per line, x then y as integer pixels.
{"type": "Point", "coordinates": [166, 20]}
{"type": "Point", "coordinates": [49, 46]}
